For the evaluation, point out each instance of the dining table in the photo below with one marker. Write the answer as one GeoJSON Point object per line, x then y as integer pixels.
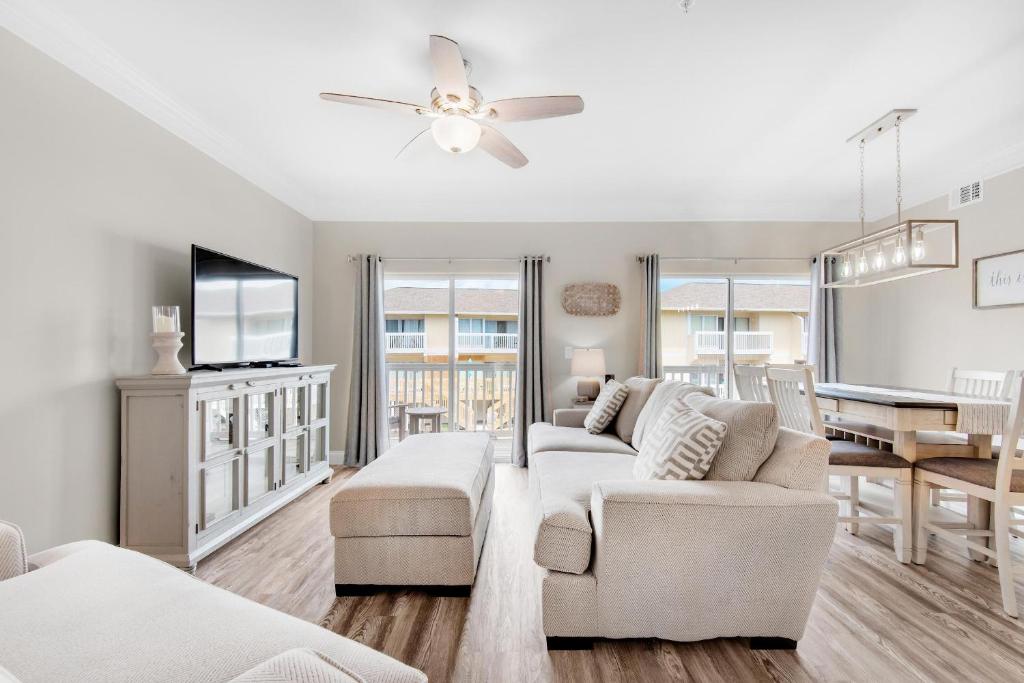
{"type": "Point", "coordinates": [912, 421]}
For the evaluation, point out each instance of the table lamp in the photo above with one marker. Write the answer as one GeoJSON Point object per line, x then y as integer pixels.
{"type": "Point", "coordinates": [588, 364]}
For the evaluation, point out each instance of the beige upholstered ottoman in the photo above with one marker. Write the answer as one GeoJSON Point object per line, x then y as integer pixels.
{"type": "Point", "coordinates": [415, 517]}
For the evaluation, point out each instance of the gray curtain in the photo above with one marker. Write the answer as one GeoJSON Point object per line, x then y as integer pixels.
{"type": "Point", "coordinates": [650, 360]}
{"type": "Point", "coordinates": [531, 384]}
{"type": "Point", "coordinates": [367, 437]}
{"type": "Point", "coordinates": [823, 327]}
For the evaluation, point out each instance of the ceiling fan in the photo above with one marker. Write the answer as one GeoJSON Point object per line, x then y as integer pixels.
{"type": "Point", "coordinates": [460, 115]}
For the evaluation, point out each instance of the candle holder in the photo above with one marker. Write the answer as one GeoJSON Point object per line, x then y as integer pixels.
{"type": "Point", "coordinates": [166, 338]}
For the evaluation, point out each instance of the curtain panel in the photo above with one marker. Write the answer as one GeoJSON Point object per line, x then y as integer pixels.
{"type": "Point", "coordinates": [823, 327]}
{"type": "Point", "coordinates": [367, 437]}
{"type": "Point", "coordinates": [650, 358]}
{"type": "Point", "coordinates": [531, 382]}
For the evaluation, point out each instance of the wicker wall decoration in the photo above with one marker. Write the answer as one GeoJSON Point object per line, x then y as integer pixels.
{"type": "Point", "coordinates": [591, 299]}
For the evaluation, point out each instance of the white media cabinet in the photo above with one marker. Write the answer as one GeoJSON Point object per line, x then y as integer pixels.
{"type": "Point", "coordinates": [206, 455]}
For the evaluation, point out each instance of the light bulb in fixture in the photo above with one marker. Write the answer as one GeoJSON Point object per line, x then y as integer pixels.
{"type": "Point", "coordinates": [847, 269]}
{"type": "Point", "coordinates": [899, 255]}
{"type": "Point", "coordinates": [455, 133]}
{"type": "Point", "coordinates": [917, 251]}
{"type": "Point", "coordinates": [862, 262]}
{"type": "Point", "coordinates": [878, 262]}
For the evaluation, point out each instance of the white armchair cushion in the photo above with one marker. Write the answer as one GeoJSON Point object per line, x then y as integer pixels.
{"type": "Point", "coordinates": [13, 557]}
{"type": "Point", "coordinates": [299, 665]}
{"type": "Point", "coordinates": [606, 407]}
{"type": "Point", "coordinates": [681, 445]}
{"type": "Point", "coordinates": [753, 428]}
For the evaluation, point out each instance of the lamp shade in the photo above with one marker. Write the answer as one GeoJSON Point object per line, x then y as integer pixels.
{"type": "Point", "coordinates": [455, 133]}
{"type": "Point", "coordinates": [587, 363]}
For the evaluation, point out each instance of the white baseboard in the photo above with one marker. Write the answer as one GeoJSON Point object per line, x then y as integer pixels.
{"type": "Point", "coordinates": [336, 457]}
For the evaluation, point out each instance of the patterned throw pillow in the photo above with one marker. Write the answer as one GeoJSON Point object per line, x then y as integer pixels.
{"type": "Point", "coordinates": [681, 445]}
{"type": "Point", "coordinates": [606, 407]}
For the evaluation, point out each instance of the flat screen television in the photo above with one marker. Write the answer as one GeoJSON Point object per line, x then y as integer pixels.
{"type": "Point", "coordinates": [242, 313]}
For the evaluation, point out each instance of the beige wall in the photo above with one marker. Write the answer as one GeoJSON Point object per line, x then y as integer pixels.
{"type": "Point", "coordinates": [603, 252]}
{"type": "Point", "coordinates": [913, 332]}
{"type": "Point", "coordinates": [99, 206]}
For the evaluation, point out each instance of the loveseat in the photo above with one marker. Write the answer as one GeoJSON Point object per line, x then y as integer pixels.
{"type": "Point", "coordinates": [89, 611]}
{"type": "Point", "coordinates": [738, 554]}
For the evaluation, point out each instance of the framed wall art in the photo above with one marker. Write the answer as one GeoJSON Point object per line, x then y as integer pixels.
{"type": "Point", "coordinates": [999, 280]}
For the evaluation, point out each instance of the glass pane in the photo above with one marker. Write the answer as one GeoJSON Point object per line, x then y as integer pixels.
{"type": "Point", "coordinates": [294, 447]}
{"type": "Point", "coordinates": [318, 446]}
{"type": "Point", "coordinates": [293, 407]}
{"type": "Point", "coordinates": [220, 425]}
{"type": "Point", "coordinates": [260, 421]}
{"type": "Point", "coordinates": [775, 311]}
{"type": "Point", "coordinates": [693, 339]}
{"type": "Point", "coordinates": [218, 493]}
{"type": "Point", "coordinates": [258, 477]}
{"type": "Point", "coordinates": [318, 401]}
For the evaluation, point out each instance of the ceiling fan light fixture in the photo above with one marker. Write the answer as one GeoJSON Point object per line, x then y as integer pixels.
{"type": "Point", "coordinates": [455, 133]}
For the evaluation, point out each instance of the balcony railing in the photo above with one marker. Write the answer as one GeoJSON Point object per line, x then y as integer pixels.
{"type": "Point", "coordinates": [469, 342]}
{"type": "Point", "coordinates": [484, 393]}
{"type": "Point", "coordinates": [705, 375]}
{"type": "Point", "coordinates": [744, 343]}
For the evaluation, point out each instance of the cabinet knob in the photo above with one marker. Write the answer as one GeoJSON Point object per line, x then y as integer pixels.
{"type": "Point", "coordinates": [250, 383]}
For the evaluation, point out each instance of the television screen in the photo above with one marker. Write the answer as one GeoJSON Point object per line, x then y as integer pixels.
{"type": "Point", "coordinates": [241, 312]}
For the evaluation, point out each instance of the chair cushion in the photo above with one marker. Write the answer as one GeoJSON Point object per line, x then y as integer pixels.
{"type": "Point", "coordinates": [681, 445]}
{"type": "Point", "coordinates": [660, 397]}
{"type": "Point", "coordinates": [606, 407]}
{"type": "Point", "coordinates": [545, 437]}
{"type": "Point", "coordinates": [753, 428]}
{"type": "Point", "coordinates": [852, 454]}
{"type": "Point", "coordinates": [428, 485]}
{"type": "Point", "coordinates": [13, 558]}
{"type": "Point", "coordinates": [977, 471]}
{"type": "Point", "coordinates": [640, 390]}
{"type": "Point", "coordinates": [561, 484]}
{"type": "Point", "coordinates": [299, 665]}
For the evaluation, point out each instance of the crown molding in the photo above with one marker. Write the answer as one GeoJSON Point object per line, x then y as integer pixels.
{"type": "Point", "coordinates": [66, 41]}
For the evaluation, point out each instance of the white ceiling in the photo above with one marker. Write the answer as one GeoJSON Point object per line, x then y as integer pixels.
{"type": "Point", "coordinates": [738, 110]}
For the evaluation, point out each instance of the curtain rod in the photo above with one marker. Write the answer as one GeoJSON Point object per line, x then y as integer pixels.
{"type": "Point", "coordinates": [731, 258]}
{"type": "Point", "coordinates": [449, 259]}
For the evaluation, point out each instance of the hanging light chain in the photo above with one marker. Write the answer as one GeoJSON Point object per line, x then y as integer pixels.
{"type": "Point", "coordinates": [862, 144]}
{"type": "Point", "coordinates": [899, 175]}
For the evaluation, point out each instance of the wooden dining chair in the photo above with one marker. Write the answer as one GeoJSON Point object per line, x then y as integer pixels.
{"type": "Point", "coordinates": [750, 383]}
{"type": "Point", "coordinates": [997, 480]}
{"type": "Point", "coordinates": [792, 392]}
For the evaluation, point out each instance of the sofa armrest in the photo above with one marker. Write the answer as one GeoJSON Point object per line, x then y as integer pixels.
{"type": "Point", "coordinates": [13, 557]}
{"type": "Point", "coordinates": [799, 461]}
{"type": "Point", "coordinates": [744, 556]}
{"type": "Point", "coordinates": [569, 417]}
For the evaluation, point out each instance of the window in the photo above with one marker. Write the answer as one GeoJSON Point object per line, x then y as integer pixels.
{"type": "Point", "coordinates": [396, 325]}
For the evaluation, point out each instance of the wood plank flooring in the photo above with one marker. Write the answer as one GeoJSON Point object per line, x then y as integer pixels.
{"type": "Point", "coordinates": [874, 619]}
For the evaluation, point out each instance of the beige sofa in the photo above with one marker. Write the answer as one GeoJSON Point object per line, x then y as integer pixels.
{"type": "Point", "coordinates": [677, 560]}
{"type": "Point", "coordinates": [89, 611]}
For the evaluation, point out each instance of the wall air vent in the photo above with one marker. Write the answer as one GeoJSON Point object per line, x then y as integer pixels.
{"type": "Point", "coordinates": [965, 195]}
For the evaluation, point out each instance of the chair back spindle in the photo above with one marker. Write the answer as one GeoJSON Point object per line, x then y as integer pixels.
{"type": "Point", "coordinates": [1010, 460]}
{"type": "Point", "coordinates": [750, 383]}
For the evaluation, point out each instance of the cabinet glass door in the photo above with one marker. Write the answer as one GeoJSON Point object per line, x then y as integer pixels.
{"type": "Point", "coordinates": [293, 407]}
{"type": "Point", "coordinates": [317, 446]}
{"type": "Point", "coordinates": [259, 474]}
{"type": "Point", "coordinates": [220, 492]}
{"type": "Point", "coordinates": [294, 457]}
{"type": "Point", "coordinates": [318, 401]}
{"type": "Point", "coordinates": [219, 433]}
{"type": "Point", "coordinates": [259, 416]}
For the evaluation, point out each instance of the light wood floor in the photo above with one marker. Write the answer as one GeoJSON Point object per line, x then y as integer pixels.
{"type": "Point", "coordinates": [874, 619]}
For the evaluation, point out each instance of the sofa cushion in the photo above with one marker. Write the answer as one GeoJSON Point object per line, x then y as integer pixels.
{"type": "Point", "coordinates": [681, 445]}
{"type": "Point", "coordinates": [561, 484]}
{"type": "Point", "coordinates": [428, 485]}
{"type": "Point", "coordinates": [299, 665]}
{"type": "Point", "coordinates": [545, 437]}
{"type": "Point", "coordinates": [640, 389]}
{"type": "Point", "coordinates": [753, 428]}
{"type": "Point", "coordinates": [13, 558]}
{"type": "Point", "coordinates": [660, 397]}
{"type": "Point", "coordinates": [606, 407]}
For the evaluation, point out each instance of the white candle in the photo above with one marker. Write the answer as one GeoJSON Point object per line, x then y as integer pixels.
{"type": "Point", "coordinates": [163, 323]}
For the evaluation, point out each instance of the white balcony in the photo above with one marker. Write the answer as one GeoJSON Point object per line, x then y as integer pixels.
{"type": "Point", "coordinates": [745, 343]}
{"type": "Point", "coordinates": [405, 342]}
{"type": "Point", "coordinates": [487, 342]}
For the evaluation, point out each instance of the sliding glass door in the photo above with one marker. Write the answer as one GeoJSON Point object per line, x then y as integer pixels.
{"type": "Point", "coordinates": [710, 323]}
{"type": "Point", "coordinates": [451, 345]}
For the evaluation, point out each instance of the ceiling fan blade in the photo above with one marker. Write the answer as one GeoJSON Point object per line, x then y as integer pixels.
{"type": "Point", "coordinates": [499, 147]}
{"type": "Point", "coordinates": [375, 103]}
{"type": "Point", "coordinates": [449, 69]}
{"type": "Point", "coordinates": [414, 139]}
{"type": "Point", "coordinates": [529, 108]}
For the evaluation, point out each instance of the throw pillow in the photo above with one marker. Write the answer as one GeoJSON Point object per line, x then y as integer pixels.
{"type": "Point", "coordinates": [753, 428]}
{"type": "Point", "coordinates": [606, 407]}
{"type": "Point", "coordinates": [640, 389]}
{"type": "Point", "coordinates": [681, 445]}
{"type": "Point", "coordinates": [661, 396]}
{"type": "Point", "coordinates": [298, 665]}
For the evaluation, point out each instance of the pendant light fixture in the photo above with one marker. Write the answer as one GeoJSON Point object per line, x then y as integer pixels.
{"type": "Point", "coordinates": [905, 249]}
